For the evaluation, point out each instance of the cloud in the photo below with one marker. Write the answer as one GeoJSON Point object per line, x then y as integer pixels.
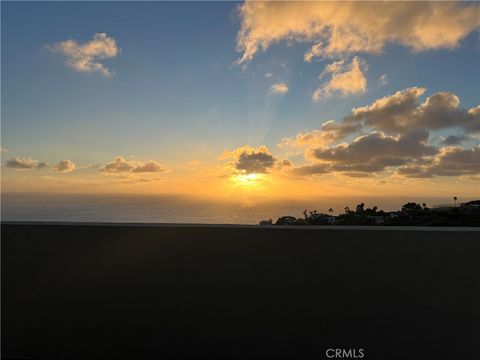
{"type": "Point", "coordinates": [285, 163]}
{"type": "Point", "coordinates": [121, 165]}
{"type": "Point", "coordinates": [268, 75]}
{"type": "Point", "coordinates": [394, 132]}
{"type": "Point", "coordinates": [312, 169]}
{"type": "Point", "coordinates": [383, 80]}
{"type": "Point", "coordinates": [377, 144]}
{"type": "Point", "coordinates": [339, 28]}
{"type": "Point", "coordinates": [357, 174]}
{"type": "Point", "coordinates": [149, 166]}
{"type": "Point", "coordinates": [279, 88]}
{"type": "Point", "coordinates": [315, 51]}
{"type": "Point", "coordinates": [22, 163]}
{"type": "Point", "coordinates": [3, 150]}
{"type": "Point", "coordinates": [402, 111]}
{"type": "Point", "coordinates": [249, 160]}
{"type": "Point", "coordinates": [255, 162]}
{"type": "Point", "coordinates": [86, 57]}
{"type": "Point", "coordinates": [65, 166]}
{"type": "Point", "coordinates": [451, 161]}
{"type": "Point", "coordinates": [346, 79]}
{"type": "Point", "coordinates": [454, 139]}
{"type": "Point", "coordinates": [376, 151]}
{"type": "Point", "coordinates": [316, 138]}
{"type": "Point", "coordinates": [390, 113]}
{"type": "Point", "coordinates": [25, 164]}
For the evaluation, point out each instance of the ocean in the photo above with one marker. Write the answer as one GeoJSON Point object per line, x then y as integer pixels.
{"type": "Point", "coordinates": [176, 209]}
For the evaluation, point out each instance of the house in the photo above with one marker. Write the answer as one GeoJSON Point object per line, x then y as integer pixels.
{"type": "Point", "coordinates": [377, 219]}
{"type": "Point", "coordinates": [394, 214]}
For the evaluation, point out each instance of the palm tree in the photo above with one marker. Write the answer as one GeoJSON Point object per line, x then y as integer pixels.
{"type": "Point", "coordinates": [360, 208]}
{"type": "Point", "coordinates": [455, 200]}
{"type": "Point", "coordinates": [330, 211]}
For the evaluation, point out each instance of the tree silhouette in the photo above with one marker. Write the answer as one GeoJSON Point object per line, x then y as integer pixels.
{"type": "Point", "coordinates": [455, 200]}
{"type": "Point", "coordinates": [360, 208]}
{"type": "Point", "coordinates": [411, 207]}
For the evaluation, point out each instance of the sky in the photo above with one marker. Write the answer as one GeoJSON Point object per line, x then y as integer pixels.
{"type": "Point", "coordinates": [241, 100]}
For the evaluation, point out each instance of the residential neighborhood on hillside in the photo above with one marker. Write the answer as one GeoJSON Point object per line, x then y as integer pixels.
{"type": "Point", "coordinates": [411, 214]}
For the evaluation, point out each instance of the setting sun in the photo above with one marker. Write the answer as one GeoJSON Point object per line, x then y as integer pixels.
{"type": "Point", "coordinates": [286, 103]}
{"type": "Point", "coordinates": [222, 179]}
{"type": "Point", "coordinates": [248, 180]}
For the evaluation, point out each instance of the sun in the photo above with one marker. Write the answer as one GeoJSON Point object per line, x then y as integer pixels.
{"type": "Point", "coordinates": [248, 180]}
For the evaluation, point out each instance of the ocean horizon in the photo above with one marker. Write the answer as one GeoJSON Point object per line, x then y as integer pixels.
{"type": "Point", "coordinates": [179, 209]}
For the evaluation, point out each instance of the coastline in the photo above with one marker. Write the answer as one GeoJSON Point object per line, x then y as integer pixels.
{"type": "Point", "coordinates": [248, 226]}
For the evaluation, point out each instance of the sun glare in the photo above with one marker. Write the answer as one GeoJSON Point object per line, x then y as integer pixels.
{"type": "Point", "coordinates": [248, 180]}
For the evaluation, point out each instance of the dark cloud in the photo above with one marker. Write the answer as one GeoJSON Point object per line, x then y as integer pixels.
{"type": "Point", "coordinates": [254, 162]}
{"type": "Point", "coordinates": [376, 151]}
{"type": "Point", "coordinates": [455, 139]}
{"type": "Point", "coordinates": [357, 174]}
{"type": "Point", "coordinates": [395, 115]}
{"type": "Point", "coordinates": [451, 161]}
{"type": "Point", "coordinates": [312, 169]}
{"type": "Point", "coordinates": [396, 133]}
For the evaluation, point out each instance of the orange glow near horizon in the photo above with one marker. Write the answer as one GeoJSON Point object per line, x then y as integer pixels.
{"type": "Point", "coordinates": [248, 180]}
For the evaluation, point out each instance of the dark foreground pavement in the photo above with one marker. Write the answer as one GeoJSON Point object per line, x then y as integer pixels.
{"type": "Point", "coordinates": [167, 292]}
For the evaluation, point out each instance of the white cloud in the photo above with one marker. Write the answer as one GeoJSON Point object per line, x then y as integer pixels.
{"type": "Point", "coordinates": [3, 150]}
{"type": "Point", "coordinates": [346, 79]}
{"type": "Point", "coordinates": [279, 88]}
{"type": "Point", "coordinates": [402, 111]}
{"type": "Point", "coordinates": [121, 165]}
{"type": "Point", "coordinates": [268, 75]}
{"type": "Point", "coordinates": [339, 28]}
{"type": "Point", "coordinates": [315, 51]}
{"type": "Point", "coordinates": [317, 138]}
{"type": "Point", "coordinates": [86, 57]}
{"type": "Point", "coordinates": [65, 166]}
